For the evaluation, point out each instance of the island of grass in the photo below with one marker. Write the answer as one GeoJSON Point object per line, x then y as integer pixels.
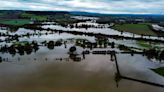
{"type": "Point", "coordinates": [160, 71]}
{"type": "Point", "coordinates": [147, 45]}
{"type": "Point", "coordinates": [161, 24]}
{"type": "Point", "coordinates": [144, 44]}
{"type": "Point", "coordinates": [15, 22]}
{"type": "Point", "coordinates": [141, 29]}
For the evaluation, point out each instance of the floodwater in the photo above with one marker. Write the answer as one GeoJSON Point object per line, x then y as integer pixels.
{"type": "Point", "coordinates": [53, 71]}
{"type": "Point", "coordinates": [96, 73]}
{"type": "Point", "coordinates": [105, 30]}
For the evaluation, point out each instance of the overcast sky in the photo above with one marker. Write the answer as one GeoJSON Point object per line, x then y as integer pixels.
{"type": "Point", "coordinates": [99, 6]}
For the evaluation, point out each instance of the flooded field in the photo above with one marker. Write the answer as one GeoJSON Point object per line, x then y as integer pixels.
{"type": "Point", "coordinates": [47, 64]}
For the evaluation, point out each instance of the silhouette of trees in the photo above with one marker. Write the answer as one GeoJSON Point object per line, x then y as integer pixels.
{"type": "Point", "coordinates": [58, 43]}
{"type": "Point", "coordinates": [161, 56]}
{"type": "Point", "coordinates": [12, 50]}
{"type": "Point", "coordinates": [20, 48]}
{"type": "Point", "coordinates": [35, 46]}
{"type": "Point", "coordinates": [102, 41]}
{"type": "Point", "coordinates": [152, 53]}
{"type": "Point", "coordinates": [28, 49]}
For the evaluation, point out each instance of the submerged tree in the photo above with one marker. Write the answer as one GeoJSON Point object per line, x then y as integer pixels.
{"type": "Point", "coordinates": [12, 50]}
{"type": "Point", "coordinates": [152, 53]}
{"type": "Point", "coordinates": [72, 53]}
{"type": "Point", "coordinates": [58, 43]}
{"type": "Point", "coordinates": [72, 49]}
{"type": "Point", "coordinates": [51, 45]}
{"type": "Point", "coordinates": [20, 50]}
{"type": "Point", "coordinates": [35, 46]}
{"type": "Point", "coordinates": [28, 49]}
{"type": "Point", "coordinates": [0, 59]}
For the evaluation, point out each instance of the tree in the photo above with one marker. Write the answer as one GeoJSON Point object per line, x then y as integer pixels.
{"type": "Point", "coordinates": [51, 45]}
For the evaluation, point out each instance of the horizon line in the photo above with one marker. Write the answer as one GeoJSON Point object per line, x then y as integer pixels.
{"type": "Point", "coordinates": [85, 12]}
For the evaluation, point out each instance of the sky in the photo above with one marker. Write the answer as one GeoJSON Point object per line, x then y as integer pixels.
{"type": "Point", "coordinates": [97, 6]}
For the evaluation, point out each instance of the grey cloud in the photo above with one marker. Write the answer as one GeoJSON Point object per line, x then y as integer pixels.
{"type": "Point", "coordinates": [100, 6]}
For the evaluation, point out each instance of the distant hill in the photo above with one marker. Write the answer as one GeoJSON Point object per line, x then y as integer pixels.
{"type": "Point", "coordinates": [47, 12]}
{"type": "Point", "coordinates": [86, 13]}
{"type": "Point", "coordinates": [100, 14]}
{"type": "Point", "coordinates": [76, 13]}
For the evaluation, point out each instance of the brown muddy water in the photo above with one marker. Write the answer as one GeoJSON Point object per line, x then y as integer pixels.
{"type": "Point", "coordinates": [96, 73]}
{"type": "Point", "coordinates": [52, 70]}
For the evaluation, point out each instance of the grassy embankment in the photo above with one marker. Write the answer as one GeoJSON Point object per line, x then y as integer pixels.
{"type": "Point", "coordinates": [160, 71]}
{"type": "Point", "coordinates": [141, 29]}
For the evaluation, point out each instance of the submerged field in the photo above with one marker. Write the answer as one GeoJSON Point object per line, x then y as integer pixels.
{"type": "Point", "coordinates": [141, 29]}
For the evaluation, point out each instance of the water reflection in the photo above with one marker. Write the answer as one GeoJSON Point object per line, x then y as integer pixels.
{"type": "Point", "coordinates": [21, 48]}
{"type": "Point", "coordinates": [55, 62]}
{"type": "Point", "coordinates": [119, 76]}
{"type": "Point", "coordinates": [73, 54]}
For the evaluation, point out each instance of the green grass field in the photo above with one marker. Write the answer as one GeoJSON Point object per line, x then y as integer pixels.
{"type": "Point", "coordinates": [15, 22]}
{"type": "Point", "coordinates": [160, 71]}
{"type": "Point", "coordinates": [147, 45]}
{"type": "Point", "coordinates": [135, 28]}
{"type": "Point", "coordinates": [144, 44]}
{"type": "Point", "coordinates": [162, 23]}
{"type": "Point", "coordinates": [34, 17]}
